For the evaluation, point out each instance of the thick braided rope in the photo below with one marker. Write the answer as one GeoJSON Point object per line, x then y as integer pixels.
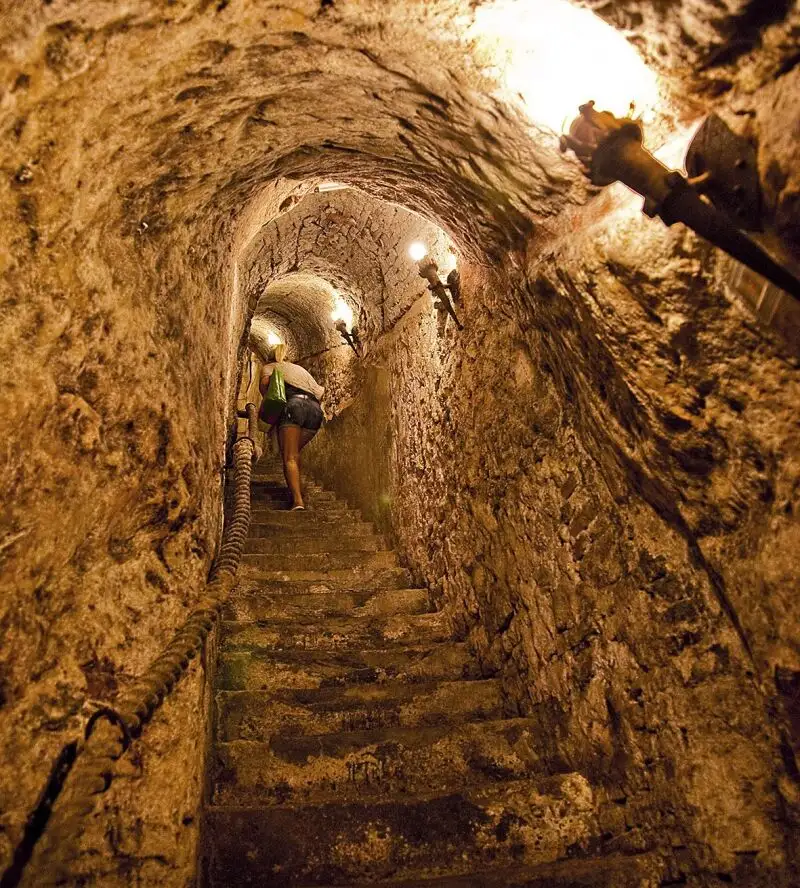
{"type": "Point", "coordinates": [110, 731]}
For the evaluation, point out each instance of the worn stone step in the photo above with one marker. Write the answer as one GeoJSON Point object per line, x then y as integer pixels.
{"type": "Point", "coordinates": [251, 581]}
{"type": "Point", "coordinates": [520, 822]}
{"type": "Point", "coordinates": [355, 578]}
{"type": "Point", "coordinates": [270, 485]}
{"type": "Point", "coordinates": [317, 547]}
{"type": "Point", "coordinates": [319, 605]}
{"type": "Point", "coordinates": [259, 715]}
{"type": "Point", "coordinates": [322, 561]}
{"type": "Point", "coordinates": [315, 502]}
{"type": "Point", "coordinates": [313, 512]}
{"type": "Point", "coordinates": [274, 670]}
{"type": "Point", "coordinates": [261, 507]}
{"type": "Point", "coordinates": [307, 521]}
{"type": "Point", "coordinates": [268, 468]}
{"type": "Point", "coordinates": [311, 526]}
{"type": "Point", "coordinates": [361, 765]}
{"type": "Point", "coordinates": [318, 537]}
{"type": "Point", "coordinates": [609, 871]}
{"type": "Point", "coordinates": [277, 480]}
{"type": "Point", "coordinates": [335, 633]}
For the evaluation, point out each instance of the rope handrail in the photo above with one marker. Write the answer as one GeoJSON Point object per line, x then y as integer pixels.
{"type": "Point", "coordinates": [85, 768]}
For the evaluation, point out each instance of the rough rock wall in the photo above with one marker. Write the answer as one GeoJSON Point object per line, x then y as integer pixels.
{"type": "Point", "coordinates": [529, 492]}
{"type": "Point", "coordinates": [114, 415]}
{"type": "Point", "coordinates": [353, 453]}
{"type": "Point", "coordinates": [599, 478]}
{"type": "Point", "coordinates": [137, 139]}
{"type": "Point", "coordinates": [137, 136]}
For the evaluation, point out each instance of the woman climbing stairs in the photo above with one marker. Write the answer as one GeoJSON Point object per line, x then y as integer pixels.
{"type": "Point", "coordinates": [357, 743]}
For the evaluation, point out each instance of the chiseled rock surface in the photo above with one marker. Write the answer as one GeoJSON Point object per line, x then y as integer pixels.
{"type": "Point", "coordinates": [608, 511]}
{"type": "Point", "coordinates": [147, 146]}
{"type": "Point", "coordinates": [383, 777]}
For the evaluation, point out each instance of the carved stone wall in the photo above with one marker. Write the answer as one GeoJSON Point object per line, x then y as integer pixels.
{"type": "Point", "coordinates": [600, 485]}
{"type": "Point", "coordinates": [147, 146]}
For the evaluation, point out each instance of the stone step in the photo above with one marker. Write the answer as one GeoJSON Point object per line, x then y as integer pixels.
{"type": "Point", "coordinates": [260, 508]}
{"type": "Point", "coordinates": [610, 871]}
{"type": "Point", "coordinates": [308, 521]}
{"type": "Point", "coordinates": [251, 582]}
{"type": "Point", "coordinates": [361, 765]}
{"type": "Point", "coordinates": [278, 486]}
{"type": "Point", "coordinates": [313, 531]}
{"type": "Point", "coordinates": [274, 670]}
{"type": "Point", "coordinates": [311, 544]}
{"type": "Point", "coordinates": [259, 715]}
{"type": "Point", "coordinates": [313, 511]}
{"type": "Point", "coordinates": [315, 502]}
{"type": "Point", "coordinates": [319, 605]}
{"type": "Point", "coordinates": [322, 561]}
{"type": "Point", "coordinates": [276, 481]}
{"type": "Point", "coordinates": [269, 470]}
{"type": "Point", "coordinates": [355, 578]}
{"type": "Point", "coordinates": [335, 633]}
{"type": "Point", "coordinates": [524, 822]}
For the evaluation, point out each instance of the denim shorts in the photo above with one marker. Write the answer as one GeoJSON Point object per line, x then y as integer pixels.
{"type": "Point", "coordinates": [303, 411]}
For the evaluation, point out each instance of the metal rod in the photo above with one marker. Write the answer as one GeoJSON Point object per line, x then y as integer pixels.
{"type": "Point", "coordinates": [611, 149]}
{"type": "Point", "coordinates": [685, 205]}
{"type": "Point", "coordinates": [429, 270]}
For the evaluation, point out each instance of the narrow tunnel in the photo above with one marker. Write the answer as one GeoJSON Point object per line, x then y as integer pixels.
{"type": "Point", "coordinates": [582, 497]}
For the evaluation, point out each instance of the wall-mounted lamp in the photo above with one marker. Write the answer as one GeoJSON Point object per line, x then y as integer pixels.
{"type": "Point", "coordinates": [342, 317]}
{"type": "Point", "coordinates": [610, 149]}
{"type": "Point", "coordinates": [273, 339]}
{"type": "Point", "coordinates": [429, 270]}
{"type": "Point", "coordinates": [349, 336]}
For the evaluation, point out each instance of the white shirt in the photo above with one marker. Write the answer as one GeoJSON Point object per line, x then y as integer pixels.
{"type": "Point", "coordinates": [295, 375]}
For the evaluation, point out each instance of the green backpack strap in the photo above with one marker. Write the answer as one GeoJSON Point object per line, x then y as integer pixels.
{"type": "Point", "coordinates": [275, 398]}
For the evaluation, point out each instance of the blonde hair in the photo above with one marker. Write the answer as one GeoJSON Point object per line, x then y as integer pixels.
{"type": "Point", "coordinates": [278, 353]}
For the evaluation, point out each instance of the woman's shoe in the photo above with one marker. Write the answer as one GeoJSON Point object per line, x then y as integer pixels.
{"type": "Point", "coordinates": [298, 509]}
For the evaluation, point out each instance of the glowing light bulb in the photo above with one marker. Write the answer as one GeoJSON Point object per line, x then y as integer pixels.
{"type": "Point", "coordinates": [273, 338]}
{"type": "Point", "coordinates": [448, 263]}
{"type": "Point", "coordinates": [555, 56]}
{"type": "Point", "coordinates": [417, 251]}
{"type": "Point", "coordinates": [342, 312]}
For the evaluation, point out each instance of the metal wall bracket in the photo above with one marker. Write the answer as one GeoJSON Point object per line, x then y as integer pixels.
{"type": "Point", "coordinates": [611, 149]}
{"type": "Point", "coordinates": [429, 270]}
{"type": "Point", "coordinates": [722, 165]}
{"type": "Point", "coordinates": [350, 337]}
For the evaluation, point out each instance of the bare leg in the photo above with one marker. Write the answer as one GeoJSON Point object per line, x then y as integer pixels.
{"type": "Point", "coordinates": [290, 438]}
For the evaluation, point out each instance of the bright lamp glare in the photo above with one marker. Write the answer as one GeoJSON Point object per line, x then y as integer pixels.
{"type": "Point", "coordinates": [557, 56]}
{"type": "Point", "coordinates": [417, 251]}
{"type": "Point", "coordinates": [342, 312]}
{"type": "Point", "coordinates": [448, 263]}
{"type": "Point", "coordinates": [273, 338]}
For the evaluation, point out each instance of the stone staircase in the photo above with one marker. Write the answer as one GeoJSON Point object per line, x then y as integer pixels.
{"type": "Point", "coordinates": [356, 743]}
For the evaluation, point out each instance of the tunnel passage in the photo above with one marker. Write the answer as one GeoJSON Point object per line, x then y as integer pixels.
{"type": "Point", "coordinates": [296, 310]}
{"type": "Point", "coordinates": [331, 243]}
{"type": "Point", "coordinates": [596, 480]}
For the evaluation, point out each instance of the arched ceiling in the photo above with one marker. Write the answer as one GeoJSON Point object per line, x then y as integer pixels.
{"type": "Point", "coordinates": [143, 120]}
{"type": "Point", "coordinates": [297, 308]}
{"type": "Point", "coordinates": [149, 115]}
{"type": "Point", "coordinates": [342, 241]}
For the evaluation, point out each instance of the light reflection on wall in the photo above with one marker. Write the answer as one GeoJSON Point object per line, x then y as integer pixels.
{"type": "Point", "coordinates": [556, 56]}
{"type": "Point", "coordinates": [342, 311]}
